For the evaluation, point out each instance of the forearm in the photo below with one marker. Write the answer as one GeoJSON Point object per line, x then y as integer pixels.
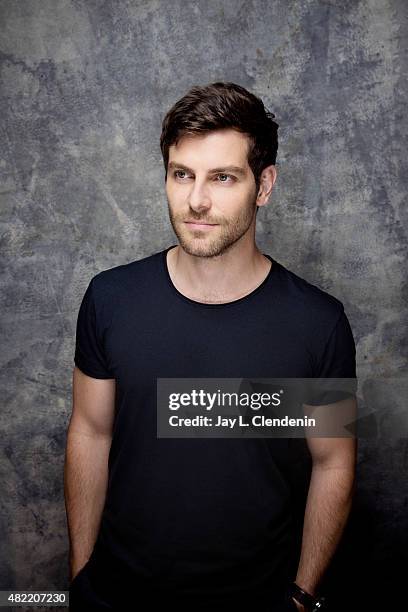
{"type": "Point", "coordinates": [327, 509]}
{"type": "Point", "coordinates": [85, 483]}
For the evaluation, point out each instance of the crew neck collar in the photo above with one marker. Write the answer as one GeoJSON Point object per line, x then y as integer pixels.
{"type": "Point", "coordinates": [233, 303]}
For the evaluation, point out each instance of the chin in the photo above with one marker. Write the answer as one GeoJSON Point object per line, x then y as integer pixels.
{"type": "Point", "coordinates": [198, 248]}
{"type": "Point", "coordinates": [203, 247]}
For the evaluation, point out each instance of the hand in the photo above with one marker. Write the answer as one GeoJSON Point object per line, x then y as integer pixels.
{"type": "Point", "coordinates": [73, 574]}
{"type": "Point", "coordinates": [299, 606]}
{"type": "Point", "coordinates": [76, 568]}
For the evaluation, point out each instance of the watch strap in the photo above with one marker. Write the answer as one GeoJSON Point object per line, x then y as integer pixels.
{"type": "Point", "coordinates": [303, 597]}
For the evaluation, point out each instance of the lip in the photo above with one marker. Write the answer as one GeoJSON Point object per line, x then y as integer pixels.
{"type": "Point", "coordinates": [195, 225]}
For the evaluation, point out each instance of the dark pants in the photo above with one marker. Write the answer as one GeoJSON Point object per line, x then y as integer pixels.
{"type": "Point", "coordinates": [86, 594]}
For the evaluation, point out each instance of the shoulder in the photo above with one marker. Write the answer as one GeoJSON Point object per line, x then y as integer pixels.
{"type": "Point", "coordinates": [318, 319]}
{"type": "Point", "coordinates": [307, 303]}
{"type": "Point", "coordinates": [114, 282]}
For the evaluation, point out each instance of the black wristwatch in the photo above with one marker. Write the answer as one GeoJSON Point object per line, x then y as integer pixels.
{"type": "Point", "coordinates": [310, 603]}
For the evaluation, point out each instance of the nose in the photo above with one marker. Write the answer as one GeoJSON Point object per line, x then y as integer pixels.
{"type": "Point", "coordinates": [199, 198]}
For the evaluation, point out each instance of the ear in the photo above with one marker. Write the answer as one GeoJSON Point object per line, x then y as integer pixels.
{"type": "Point", "coordinates": [267, 181]}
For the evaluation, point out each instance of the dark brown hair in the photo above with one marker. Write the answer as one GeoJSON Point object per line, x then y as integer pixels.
{"type": "Point", "coordinates": [223, 105]}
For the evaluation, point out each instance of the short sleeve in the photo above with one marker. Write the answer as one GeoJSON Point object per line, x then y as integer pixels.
{"type": "Point", "coordinates": [89, 356]}
{"type": "Point", "coordinates": [338, 360]}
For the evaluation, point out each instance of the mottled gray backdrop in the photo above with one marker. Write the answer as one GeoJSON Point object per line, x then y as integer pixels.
{"type": "Point", "coordinates": [84, 87]}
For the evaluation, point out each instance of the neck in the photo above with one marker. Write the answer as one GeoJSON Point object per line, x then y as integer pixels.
{"type": "Point", "coordinates": [223, 278]}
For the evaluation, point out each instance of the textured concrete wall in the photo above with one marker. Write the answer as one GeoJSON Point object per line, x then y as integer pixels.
{"type": "Point", "coordinates": [84, 87]}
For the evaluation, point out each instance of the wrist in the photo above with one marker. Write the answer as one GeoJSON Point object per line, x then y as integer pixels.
{"type": "Point", "coordinates": [304, 600]}
{"type": "Point", "coordinates": [309, 587]}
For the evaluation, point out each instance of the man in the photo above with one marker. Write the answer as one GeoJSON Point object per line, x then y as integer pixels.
{"type": "Point", "coordinates": [202, 523]}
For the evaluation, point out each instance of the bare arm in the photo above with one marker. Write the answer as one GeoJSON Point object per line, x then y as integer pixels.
{"type": "Point", "coordinates": [86, 462]}
{"type": "Point", "coordinates": [329, 501]}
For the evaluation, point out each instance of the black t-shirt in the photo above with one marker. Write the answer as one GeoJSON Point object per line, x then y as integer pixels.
{"type": "Point", "coordinates": [203, 516]}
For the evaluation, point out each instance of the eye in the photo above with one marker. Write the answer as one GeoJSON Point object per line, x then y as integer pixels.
{"type": "Point", "coordinates": [176, 173]}
{"type": "Point", "coordinates": [225, 176]}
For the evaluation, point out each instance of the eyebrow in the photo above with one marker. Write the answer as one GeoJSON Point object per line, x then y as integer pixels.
{"type": "Point", "coordinates": [236, 169]}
